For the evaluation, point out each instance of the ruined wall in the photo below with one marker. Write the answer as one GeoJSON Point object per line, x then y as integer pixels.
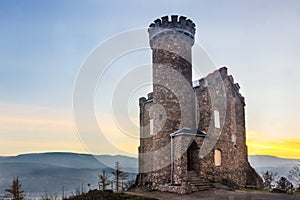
{"type": "Point", "coordinates": [214, 92]}
{"type": "Point", "coordinates": [232, 140]}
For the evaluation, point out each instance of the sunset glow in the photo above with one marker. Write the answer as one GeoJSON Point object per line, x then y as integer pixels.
{"type": "Point", "coordinates": [27, 135]}
{"type": "Point", "coordinates": [285, 148]}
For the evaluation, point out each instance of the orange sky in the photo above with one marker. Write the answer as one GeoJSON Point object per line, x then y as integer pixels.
{"type": "Point", "coordinates": [285, 148]}
{"type": "Point", "coordinates": [277, 144]}
{"type": "Point", "coordinates": [27, 129]}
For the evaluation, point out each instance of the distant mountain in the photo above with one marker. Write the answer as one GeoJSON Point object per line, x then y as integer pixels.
{"type": "Point", "coordinates": [129, 164]}
{"type": "Point", "coordinates": [74, 160]}
{"type": "Point", "coordinates": [52, 171]}
{"type": "Point", "coordinates": [262, 163]}
{"type": "Point", "coordinates": [44, 177]}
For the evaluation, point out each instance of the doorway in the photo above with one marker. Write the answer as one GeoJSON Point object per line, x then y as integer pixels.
{"type": "Point", "coordinates": [192, 157]}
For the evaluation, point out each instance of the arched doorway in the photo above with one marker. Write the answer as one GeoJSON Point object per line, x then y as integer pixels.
{"type": "Point", "coordinates": [192, 157]}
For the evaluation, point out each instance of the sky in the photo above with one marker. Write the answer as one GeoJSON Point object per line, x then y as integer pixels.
{"type": "Point", "coordinates": [43, 45]}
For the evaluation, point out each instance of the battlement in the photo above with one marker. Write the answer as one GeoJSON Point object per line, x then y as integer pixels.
{"type": "Point", "coordinates": [181, 25]}
{"type": "Point", "coordinates": [217, 76]}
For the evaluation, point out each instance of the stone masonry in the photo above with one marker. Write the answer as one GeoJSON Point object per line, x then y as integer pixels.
{"type": "Point", "coordinates": [186, 129]}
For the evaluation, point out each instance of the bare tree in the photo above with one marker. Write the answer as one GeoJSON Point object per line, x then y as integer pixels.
{"type": "Point", "coordinates": [123, 179]}
{"type": "Point", "coordinates": [269, 178]}
{"type": "Point", "coordinates": [294, 175]}
{"type": "Point", "coordinates": [120, 176]}
{"type": "Point", "coordinates": [103, 180]}
{"type": "Point", "coordinates": [15, 190]}
{"type": "Point", "coordinates": [77, 191]}
{"type": "Point", "coordinates": [63, 192]}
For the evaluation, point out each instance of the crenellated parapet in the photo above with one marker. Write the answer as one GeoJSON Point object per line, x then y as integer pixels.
{"type": "Point", "coordinates": [218, 76]}
{"type": "Point", "coordinates": [163, 26]}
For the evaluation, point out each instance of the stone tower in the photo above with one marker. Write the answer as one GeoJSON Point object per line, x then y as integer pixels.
{"type": "Point", "coordinates": [169, 108]}
{"type": "Point", "coordinates": [190, 133]}
{"type": "Point", "coordinates": [171, 42]}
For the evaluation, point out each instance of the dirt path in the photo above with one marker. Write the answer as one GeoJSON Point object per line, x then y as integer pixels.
{"type": "Point", "coordinates": [218, 194]}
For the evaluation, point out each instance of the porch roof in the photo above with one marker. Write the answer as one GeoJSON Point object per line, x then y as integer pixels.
{"type": "Point", "coordinates": [189, 132]}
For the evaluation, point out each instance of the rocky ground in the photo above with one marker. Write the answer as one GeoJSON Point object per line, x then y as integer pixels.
{"type": "Point", "coordinates": [107, 195]}
{"type": "Point", "coordinates": [218, 193]}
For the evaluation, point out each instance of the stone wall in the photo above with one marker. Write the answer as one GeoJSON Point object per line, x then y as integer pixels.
{"type": "Point", "coordinates": [185, 188]}
{"type": "Point", "coordinates": [171, 106]}
{"type": "Point", "coordinates": [232, 139]}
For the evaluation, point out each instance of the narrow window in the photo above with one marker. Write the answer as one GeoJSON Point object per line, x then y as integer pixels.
{"type": "Point", "coordinates": [218, 157]}
{"type": "Point", "coordinates": [151, 126]}
{"type": "Point", "coordinates": [160, 117]}
{"type": "Point", "coordinates": [217, 119]}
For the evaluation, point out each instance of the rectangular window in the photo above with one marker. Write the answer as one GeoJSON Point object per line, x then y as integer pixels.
{"type": "Point", "coordinates": [151, 126]}
{"type": "Point", "coordinates": [218, 157]}
{"type": "Point", "coordinates": [217, 119]}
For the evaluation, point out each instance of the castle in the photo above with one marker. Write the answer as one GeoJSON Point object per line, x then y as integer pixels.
{"type": "Point", "coordinates": [191, 133]}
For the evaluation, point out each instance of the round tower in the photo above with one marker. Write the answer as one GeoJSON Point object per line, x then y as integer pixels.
{"type": "Point", "coordinates": [171, 41]}
{"type": "Point", "coordinates": [173, 107]}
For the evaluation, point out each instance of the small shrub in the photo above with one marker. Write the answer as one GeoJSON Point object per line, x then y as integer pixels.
{"type": "Point", "coordinates": [276, 190]}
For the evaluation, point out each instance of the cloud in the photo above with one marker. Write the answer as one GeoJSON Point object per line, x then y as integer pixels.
{"type": "Point", "coordinates": [13, 147]}
{"type": "Point", "coordinates": [29, 124]}
{"type": "Point", "coordinates": [27, 128]}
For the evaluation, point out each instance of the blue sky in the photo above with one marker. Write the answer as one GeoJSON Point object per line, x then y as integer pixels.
{"type": "Point", "coordinates": [44, 43]}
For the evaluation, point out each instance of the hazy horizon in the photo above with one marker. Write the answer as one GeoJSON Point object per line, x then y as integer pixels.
{"type": "Point", "coordinates": [85, 153]}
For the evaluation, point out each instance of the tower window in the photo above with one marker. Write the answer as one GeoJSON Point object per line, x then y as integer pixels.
{"type": "Point", "coordinates": [218, 157]}
{"type": "Point", "coordinates": [151, 127]}
{"type": "Point", "coordinates": [217, 119]}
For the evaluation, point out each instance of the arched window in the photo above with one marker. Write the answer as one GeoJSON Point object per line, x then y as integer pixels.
{"type": "Point", "coordinates": [218, 157]}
